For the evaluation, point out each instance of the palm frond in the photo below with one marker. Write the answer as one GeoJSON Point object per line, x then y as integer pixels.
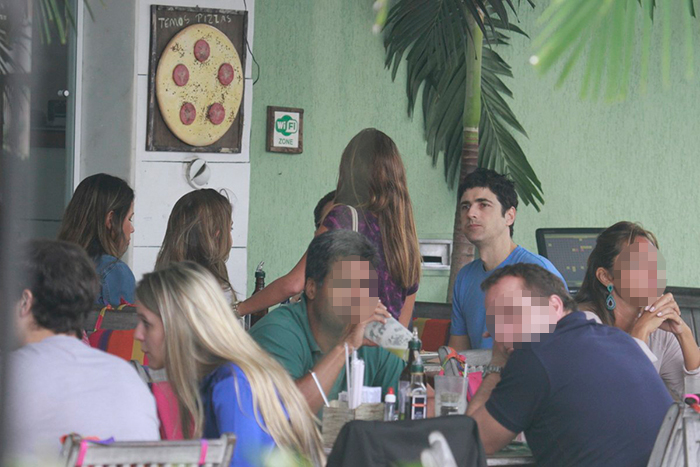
{"type": "Point", "coordinates": [498, 148]}
{"type": "Point", "coordinates": [412, 32]}
{"type": "Point", "coordinates": [607, 31]}
{"type": "Point", "coordinates": [431, 33]}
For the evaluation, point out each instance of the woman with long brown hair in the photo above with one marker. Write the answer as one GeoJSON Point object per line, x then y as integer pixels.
{"type": "Point", "coordinates": [199, 230]}
{"type": "Point", "coordinates": [624, 287]}
{"type": "Point", "coordinates": [223, 381]}
{"type": "Point", "coordinates": [371, 198]}
{"type": "Point", "coordinates": [99, 219]}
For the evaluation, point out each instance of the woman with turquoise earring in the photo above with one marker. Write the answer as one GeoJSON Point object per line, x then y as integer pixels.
{"type": "Point", "coordinates": [624, 287]}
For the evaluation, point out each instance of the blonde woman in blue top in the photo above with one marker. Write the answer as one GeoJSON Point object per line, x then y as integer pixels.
{"type": "Point", "coordinates": [99, 218]}
{"type": "Point", "coordinates": [223, 381]}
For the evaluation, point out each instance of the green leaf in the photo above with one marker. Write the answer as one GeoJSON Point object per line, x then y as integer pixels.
{"type": "Point", "coordinates": [431, 36]}
{"type": "Point", "coordinates": [607, 30]}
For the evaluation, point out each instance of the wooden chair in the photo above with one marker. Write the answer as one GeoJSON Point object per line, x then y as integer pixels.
{"type": "Point", "coordinates": [209, 453]}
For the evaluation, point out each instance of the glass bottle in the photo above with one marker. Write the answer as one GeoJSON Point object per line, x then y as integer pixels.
{"type": "Point", "coordinates": [259, 285]}
{"type": "Point", "coordinates": [417, 406]}
{"type": "Point", "coordinates": [414, 346]}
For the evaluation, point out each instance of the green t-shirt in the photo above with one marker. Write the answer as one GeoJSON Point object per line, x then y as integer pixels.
{"type": "Point", "coordinates": [285, 333]}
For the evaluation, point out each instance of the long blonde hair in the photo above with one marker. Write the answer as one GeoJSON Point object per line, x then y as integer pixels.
{"type": "Point", "coordinates": [201, 334]}
{"type": "Point", "coordinates": [372, 177]}
{"type": "Point", "coordinates": [198, 230]}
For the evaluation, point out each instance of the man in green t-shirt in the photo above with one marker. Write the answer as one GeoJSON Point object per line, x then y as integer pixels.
{"type": "Point", "coordinates": [340, 298]}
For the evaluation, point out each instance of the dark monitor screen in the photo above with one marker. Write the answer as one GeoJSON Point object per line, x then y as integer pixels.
{"type": "Point", "coordinates": [568, 249]}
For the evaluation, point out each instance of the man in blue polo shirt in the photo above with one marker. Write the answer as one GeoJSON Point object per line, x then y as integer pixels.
{"type": "Point", "coordinates": [488, 204]}
{"type": "Point", "coordinates": [584, 394]}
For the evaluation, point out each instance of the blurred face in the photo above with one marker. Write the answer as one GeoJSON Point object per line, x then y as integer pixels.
{"type": "Point", "coordinates": [128, 225]}
{"type": "Point", "coordinates": [481, 216]}
{"type": "Point", "coordinates": [349, 294]}
{"type": "Point", "coordinates": [639, 273]}
{"type": "Point", "coordinates": [151, 333]}
{"type": "Point", "coordinates": [514, 316]}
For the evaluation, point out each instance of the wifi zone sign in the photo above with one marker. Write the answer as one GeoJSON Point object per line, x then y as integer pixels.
{"type": "Point", "coordinates": [285, 130]}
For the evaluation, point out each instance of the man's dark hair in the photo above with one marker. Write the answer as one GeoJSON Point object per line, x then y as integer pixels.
{"type": "Point", "coordinates": [63, 282]}
{"type": "Point", "coordinates": [537, 279]}
{"type": "Point", "coordinates": [318, 210]}
{"type": "Point", "coordinates": [332, 246]}
{"type": "Point", "coordinates": [503, 188]}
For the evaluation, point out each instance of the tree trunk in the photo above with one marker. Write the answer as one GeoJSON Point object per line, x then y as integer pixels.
{"type": "Point", "coordinates": [462, 249]}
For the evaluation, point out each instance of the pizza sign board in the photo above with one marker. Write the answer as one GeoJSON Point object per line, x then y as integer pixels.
{"type": "Point", "coordinates": [284, 130]}
{"type": "Point", "coordinates": [196, 80]}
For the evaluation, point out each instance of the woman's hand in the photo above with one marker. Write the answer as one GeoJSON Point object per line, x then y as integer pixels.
{"type": "Point", "coordinates": [645, 325]}
{"type": "Point", "coordinates": [667, 308]}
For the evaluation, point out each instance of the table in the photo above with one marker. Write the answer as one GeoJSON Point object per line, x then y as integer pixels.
{"type": "Point", "coordinates": [516, 453]}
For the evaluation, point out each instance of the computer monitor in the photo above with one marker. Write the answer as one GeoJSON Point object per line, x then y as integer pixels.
{"type": "Point", "coordinates": [568, 249]}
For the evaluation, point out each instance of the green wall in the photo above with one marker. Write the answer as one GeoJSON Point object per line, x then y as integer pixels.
{"type": "Point", "coordinates": [598, 163]}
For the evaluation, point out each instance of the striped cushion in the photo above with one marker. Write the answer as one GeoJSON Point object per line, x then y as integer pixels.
{"type": "Point", "coordinates": [119, 343]}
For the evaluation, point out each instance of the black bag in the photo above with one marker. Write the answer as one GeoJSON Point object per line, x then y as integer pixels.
{"type": "Point", "coordinates": [372, 443]}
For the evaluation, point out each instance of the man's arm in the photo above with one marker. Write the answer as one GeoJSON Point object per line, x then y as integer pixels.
{"type": "Point", "coordinates": [494, 436]}
{"type": "Point", "coordinates": [329, 367]}
{"type": "Point", "coordinates": [327, 371]}
{"type": "Point", "coordinates": [460, 343]}
{"type": "Point", "coordinates": [459, 338]}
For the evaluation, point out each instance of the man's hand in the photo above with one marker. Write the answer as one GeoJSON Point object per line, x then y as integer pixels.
{"type": "Point", "coordinates": [500, 352]}
{"type": "Point", "coordinates": [355, 333]}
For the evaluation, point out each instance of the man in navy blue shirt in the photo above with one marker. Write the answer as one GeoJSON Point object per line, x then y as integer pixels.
{"type": "Point", "coordinates": [584, 393]}
{"type": "Point", "coordinates": [488, 204]}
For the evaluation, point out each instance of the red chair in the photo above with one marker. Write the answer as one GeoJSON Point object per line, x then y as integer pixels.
{"type": "Point", "coordinates": [434, 333]}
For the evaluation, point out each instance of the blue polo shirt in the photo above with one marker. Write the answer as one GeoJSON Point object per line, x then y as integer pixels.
{"type": "Point", "coordinates": [585, 395]}
{"type": "Point", "coordinates": [468, 309]}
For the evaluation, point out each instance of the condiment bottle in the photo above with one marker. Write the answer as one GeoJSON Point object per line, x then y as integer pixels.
{"type": "Point", "coordinates": [390, 406]}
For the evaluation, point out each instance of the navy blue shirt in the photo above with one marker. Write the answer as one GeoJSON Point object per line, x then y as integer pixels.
{"type": "Point", "coordinates": [585, 395]}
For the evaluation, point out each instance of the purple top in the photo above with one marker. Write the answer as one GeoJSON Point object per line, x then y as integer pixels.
{"type": "Point", "coordinates": [391, 294]}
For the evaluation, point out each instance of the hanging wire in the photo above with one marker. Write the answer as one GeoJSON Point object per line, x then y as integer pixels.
{"type": "Point", "coordinates": [250, 51]}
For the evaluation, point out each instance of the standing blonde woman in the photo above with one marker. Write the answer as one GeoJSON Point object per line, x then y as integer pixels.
{"type": "Point", "coordinates": [223, 381]}
{"type": "Point", "coordinates": [371, 198]}
{"type": "Point", "coordinates": [199, 230]}
{"type": "Point", "coordinates": [99, 219]}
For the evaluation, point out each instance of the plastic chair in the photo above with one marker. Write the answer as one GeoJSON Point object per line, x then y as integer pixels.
{"type": "Point", "coordinates": [80, 452]}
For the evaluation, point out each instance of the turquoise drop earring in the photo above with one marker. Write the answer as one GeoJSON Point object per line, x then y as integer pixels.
{"type": "Point", "coordinates": [610, 300]}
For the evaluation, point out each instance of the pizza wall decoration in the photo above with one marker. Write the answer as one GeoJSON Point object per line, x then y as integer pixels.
{"type": "Point", "coordinates": [198, 84]}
